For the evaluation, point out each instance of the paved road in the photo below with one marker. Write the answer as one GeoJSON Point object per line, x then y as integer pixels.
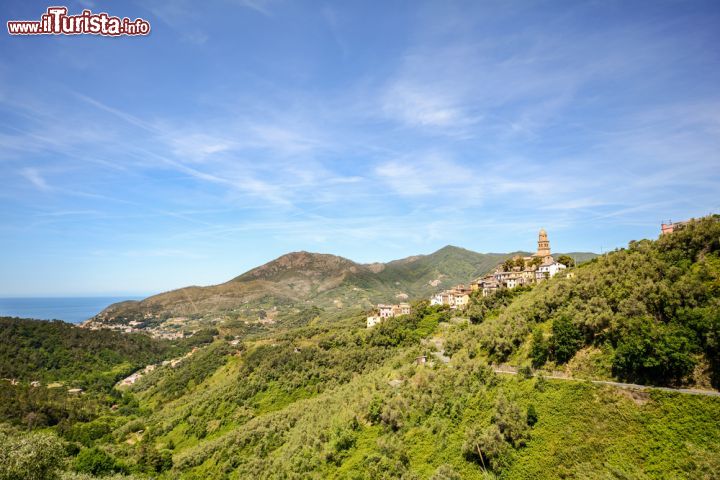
{"type": "Point", "coordinates": [633, 386]}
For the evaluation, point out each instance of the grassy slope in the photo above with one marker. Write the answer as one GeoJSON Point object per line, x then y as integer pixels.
{"type": "Point", "coordinates": [264, 410]}
{"type": "Point", "coordinates": [584, 431]}
{"type": "Point", "coordinates": [316, 402]}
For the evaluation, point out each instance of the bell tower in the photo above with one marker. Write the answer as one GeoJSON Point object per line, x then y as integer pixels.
{"type": "Point", "coordinates": [543, 244]}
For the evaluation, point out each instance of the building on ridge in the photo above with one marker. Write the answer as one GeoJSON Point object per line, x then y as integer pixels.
{"type": "Point", "coordinates": [671, 226]}
{"type": "Point", "coordinates": [521, 271]}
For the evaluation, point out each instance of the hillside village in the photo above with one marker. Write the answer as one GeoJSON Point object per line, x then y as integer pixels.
{"type": "Point", "coordinates": [520, 271]}
{"type": "Point", "coordinates": [514, 272]}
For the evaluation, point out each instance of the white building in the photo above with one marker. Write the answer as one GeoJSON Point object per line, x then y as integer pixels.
{"type": "Point", "coordinates": [373, 320]}
{"type": "Point", "coordinates": [548, 270]}
{"type": "Point", "coordinates": [385, 311]}
{"type": "Point", "coordinates": [436, 299]}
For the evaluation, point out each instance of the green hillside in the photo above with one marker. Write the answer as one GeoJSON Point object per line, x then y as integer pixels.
{"type": "Point", "coordinates": [332, 399]}
{"type": "Point", "coordinates": [51, 351]}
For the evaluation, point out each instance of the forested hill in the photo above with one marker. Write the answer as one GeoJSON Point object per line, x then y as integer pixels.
{"type": "Point", "coordinates": [301, 280]}
{"type": "Point", "coordinates": [649, 313]}
{"type": "Point", "coordinates": [47, 351]}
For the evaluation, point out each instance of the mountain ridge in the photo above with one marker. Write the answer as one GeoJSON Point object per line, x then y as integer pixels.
{"type": "Point", "coordinates": [302, 279]}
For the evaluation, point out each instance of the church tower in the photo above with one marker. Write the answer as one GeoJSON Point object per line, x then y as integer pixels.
{"type": "Point", "coordinates": [543, 244]}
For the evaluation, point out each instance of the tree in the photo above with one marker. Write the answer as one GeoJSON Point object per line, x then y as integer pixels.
{"type": "Point", "coordinates": [95, 462]}
{"type": "Point", "coordinates": [653, 352]}
{"type": "Point", "coordinates": [153, 460]}
{"type": "Point", "coordinates": [510, 421]}
{"type": "Point", "coordinates": [486, 446]}
{"type": "Point", "coordinates": [375, 409]}
{"type": "Point", "coordinates": [531, 415]}
{"type": "Point", "coordinates": [393, 412]}
{"type": "Point", "coordinates": [566, 260]}
{"type": "Point", "coordinates": [566, 339]}
{"type": "Point", "coordinates": [539, 348]}
{"type": "Point", "coordinates": [35, 456]}
{"type": "Point", "coordinates": [490, 446]}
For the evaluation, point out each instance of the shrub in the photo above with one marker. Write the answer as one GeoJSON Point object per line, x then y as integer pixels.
{"type": "Point", "coordinates": [95, 462]}
{"type": "Point", "coordinates": [653, 352]}
{"type": "Point", "coordinates": [531, 415]}
{"type": "Point", "coordinates": [446, 472]}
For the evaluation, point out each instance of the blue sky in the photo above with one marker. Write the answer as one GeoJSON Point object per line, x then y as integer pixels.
{"type": "Point", "coordinates": [240, 130]}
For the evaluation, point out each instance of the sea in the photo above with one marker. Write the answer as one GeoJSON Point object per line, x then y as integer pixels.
{"type": "Point", "coordinates": [68, 309]}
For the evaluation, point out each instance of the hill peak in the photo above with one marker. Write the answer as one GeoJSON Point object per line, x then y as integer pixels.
{"type": "Point", "coordinates": [451, 248]}
{"type": "Point", "coordinates": [302, 263]}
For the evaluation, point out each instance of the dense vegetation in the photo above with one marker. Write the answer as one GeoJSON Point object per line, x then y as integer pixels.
{"type": "Point", "coordinates": [61, 356]}
{"type": "Point", "coordinates": [58, 351]}
{"type": "Point", "coordinates": [417, 397]}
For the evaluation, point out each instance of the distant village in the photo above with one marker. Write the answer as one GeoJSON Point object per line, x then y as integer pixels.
{"type": "Point", "coordinates": [135, 326]}
{"type": "Point", "coordinates": [514, 272]}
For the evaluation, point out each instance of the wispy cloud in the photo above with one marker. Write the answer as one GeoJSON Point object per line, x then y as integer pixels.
{"type": "Point", "coordinates": [432, 175]}
{"type": "Point", "coordinates": [261, 6]}
{"type": "Point", "coordinates": [33, 176]}
{"type": "Point", "coordinates": [419, 105]}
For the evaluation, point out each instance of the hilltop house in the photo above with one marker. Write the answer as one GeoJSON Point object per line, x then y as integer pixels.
{"type": "Point", "coordinates": [670, 227]}
{"type": "Point", "coordinates": [383, 311]}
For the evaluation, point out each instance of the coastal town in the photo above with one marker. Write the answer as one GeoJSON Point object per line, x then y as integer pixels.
{"type": "Point", "coordinates": [514, 272]}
